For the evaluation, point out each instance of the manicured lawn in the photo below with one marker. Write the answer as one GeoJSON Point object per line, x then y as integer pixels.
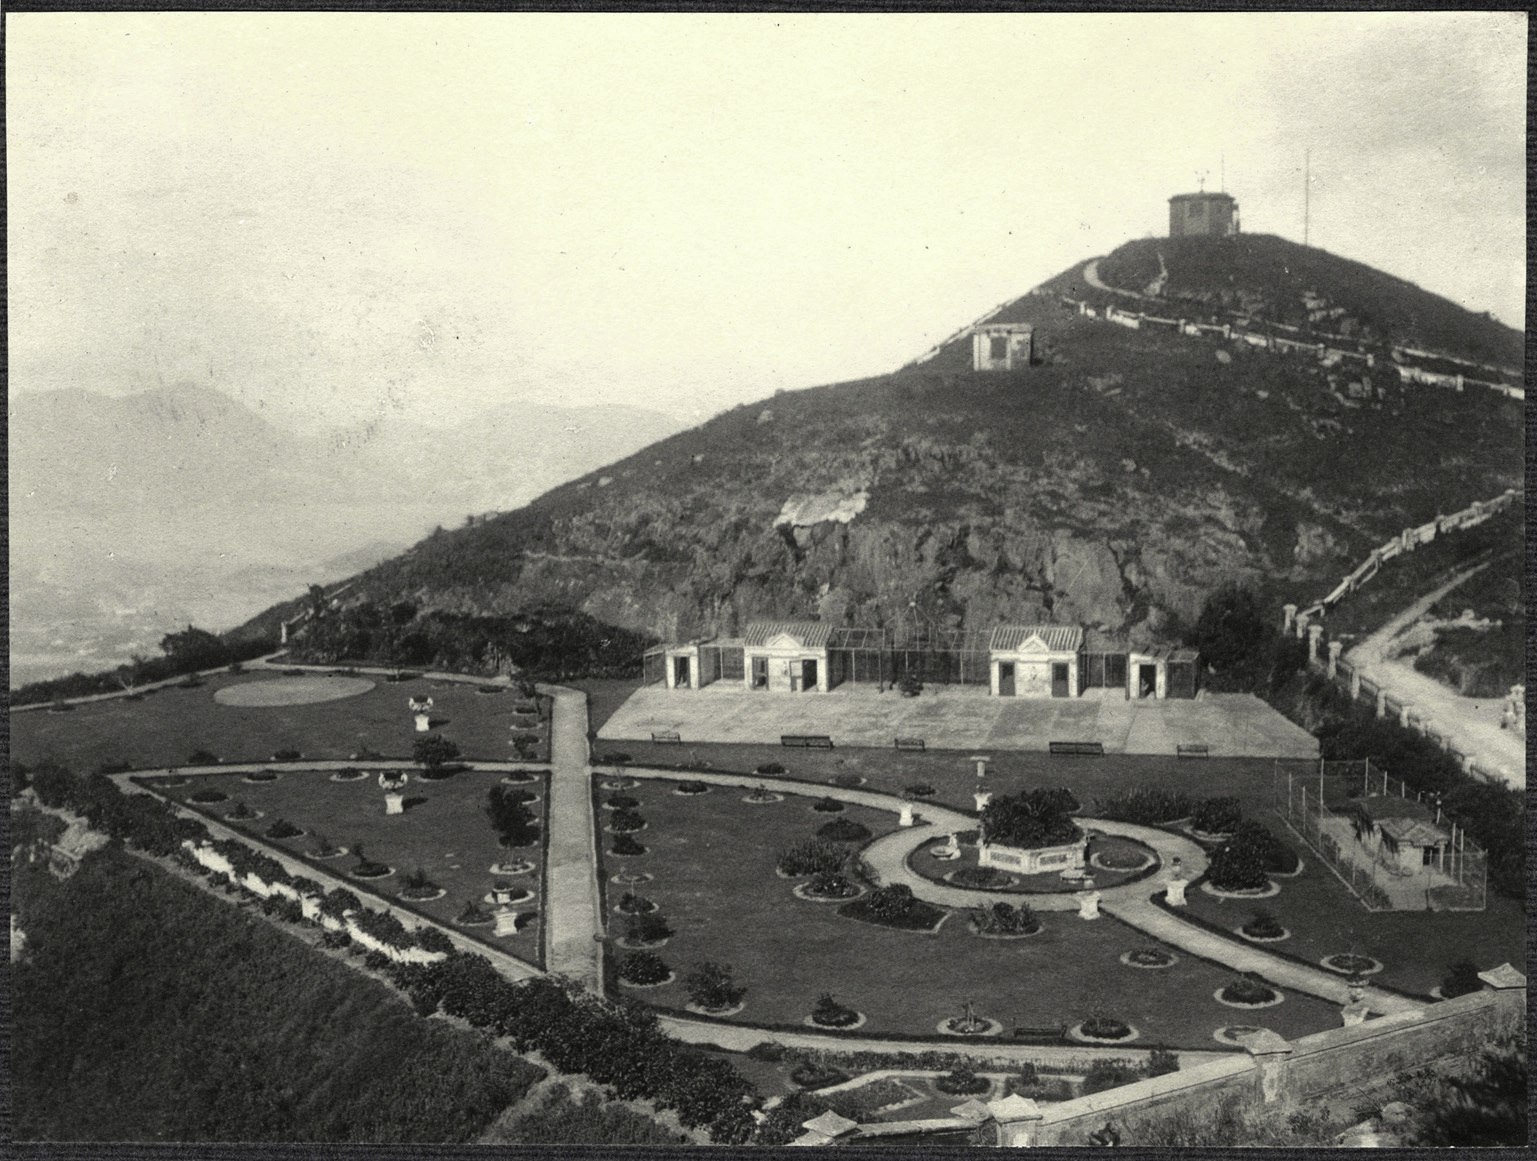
{"type": "Point", "coordinates": [1416, 947]}
{"type": "Point", "coordinates": [444, 831]}
{"type": "Point", "coordinates": [167, 725]}
{"type": "Point", "coordinates": [713, 860]}
{"type": "Point", "coordinates": [953, 775]}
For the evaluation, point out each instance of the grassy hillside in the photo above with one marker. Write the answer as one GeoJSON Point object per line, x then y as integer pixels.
{"type": "Point", "coordinates": [146, 1010]}
{"type": "Point", "coordinates": [1267, 276]}
{"type": "Point", "coordinates": [1115, 484]}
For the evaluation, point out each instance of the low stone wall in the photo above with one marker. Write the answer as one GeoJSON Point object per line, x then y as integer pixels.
{"type": "Point", "coordinates": [1279, 1073]}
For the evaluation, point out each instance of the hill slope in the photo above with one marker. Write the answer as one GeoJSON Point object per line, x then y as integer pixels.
{"type": "Point", "coordinates": [1114, 485]}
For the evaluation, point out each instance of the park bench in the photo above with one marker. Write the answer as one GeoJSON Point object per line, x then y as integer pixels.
{"type": "Point", "coordinates": [909, 744]}
{"type": "Point", "coordinates": [1044, 1032]}
{"type": "Point", "coordinates": [806, 741]}
{"type": "Point", "coordinates": [1192, 750]}
{"type": "Point", "coordinates": [1088, 748]}
{"type": "Point", "coordinates": [667, 737]}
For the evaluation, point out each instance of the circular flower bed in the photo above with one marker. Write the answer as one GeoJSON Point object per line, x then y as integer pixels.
{"type": "Point", "coordinates": [771, 768]}
{"type": "Point", "coordinates": [518, 778]}
{"type": "Point", "coordinates": [921, 790]}
{"type": "Point", "coordinates": [1103, 1030]}
{"type": "Point", "coordinates": [762, 797]}
{"type": "Point", "coordinates": [633, 904]}
{"type": "Point", "coordinates": [1350, 964]}
{"type": "Point", "coordinates": [349, 775]}
{"type": "Point", "coordinates": [422, 894]}
{"type": "Point", "coordinates": [619, 783]}
{"type": "Point", "coordinates": [625, 847]}
{"type": "Point", "coordinates": [327, 851]}
{"type": "Point", "coordinates": [488, 689]}
{"type": "Point", "coordinates": [642, 969]}
{"type": "Point", "coordinates": [830, 1014]}
{"type": "Point", "coordinates": [515, 867]}
{"type": "Point", "coordinates": [828, 806]}
{"type": "Point", "coordinates": [848, 781]}
{"type": "Point", "coordinates": [283, 829]}
{"type": "Point", "coordinates": [631, 878]}
{"type": "Point", "coordinates": [843, 830]}
{"type": "Point", "coordinates": [508, 896]}
{"type": "Point", "coordinates": [1245, 992]}
{"type": "Point", "coordinates": [1150, 958]}
{"type": "Point", "coordinates": [813, 1074]}
{"type": "Point", "coordinates": [625, 822]}
{"type": "Point", "coordinates": [1264, 892]}
{"type": "Point", "coordinates": [244, 813]}
{"type": "Point", "coordinates": [261, 776]}
{"type": "Point", "coordinates": [1263, 933]}
{"type": "Point", "coordinates": [688, 788]}
{"type": "Point", "coordinates": [827, 887]}
{"type": "Point", "coordinates": [1235, 1033]}
{"type": "Point", "coordinates": [208, 797]}
{"type": "Point", "coordinates": [701, 1010]}
{"type": "Point", "coordinates": [976, 1026]}
{"type": "Point", "coordinates": [620, 802]}
{"type": "Point", "coordinates": [372, 870]}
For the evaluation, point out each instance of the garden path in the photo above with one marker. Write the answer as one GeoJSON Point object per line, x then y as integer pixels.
{"type": "Point", "coordinates": [573, 904]}
{"type": "Point", "coordinates": [1147, 917]}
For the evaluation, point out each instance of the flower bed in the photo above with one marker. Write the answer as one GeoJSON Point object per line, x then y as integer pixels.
{"type": "Point", "coordinates": [895, 906]}
{"type": "Point", "coordinates": [691, 788]}
{"type": "Point", "coordinates": [349, 775]}
{"type": "Point", "coordinates": [644, 969]}
{"type": "Point", "coordinates": [283, 829]}
{"type": "Point", "coordinates": [762, 797]}
{"type": "Point", "coordinates": [962, 1081]}
{"type": "Point", "coordinates": [1150, 958]}
{"type": "Point", "coordinates": [843, 830]}
{"type": "Point", "coordinates": [262, 776]}
{"type": "Point", "coordinates": [515, 867]}
{"type": "Point", "coordinates": [625, 847]}
{"type": "Point", "coordinates": [1248, 992]}
{"type": "Point", "coordinates": [828, 806]}
{"type": "Point", "coordinates": [1103, 1030]}
{"type": "Point", "coordinates": [208, 797]}
{"type": "Point", "coordinates": [813, 1074]}
{"type": "Point", "coordinates": [633, 904]}
{"type": "Point", "coordinates": [975, 1026]}
{"type": "Point", "coordinates": [982, 878]}
{"type": "Point", "coordinates": [827, 887]}
{"type": "Point", "coordinates": [830, 1014]}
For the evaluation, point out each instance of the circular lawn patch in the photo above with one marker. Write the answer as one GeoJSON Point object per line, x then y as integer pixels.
{"type": "Point", "coordinates": [1150, 958]}
{"type": "Point", "coordinates": [285, 691]}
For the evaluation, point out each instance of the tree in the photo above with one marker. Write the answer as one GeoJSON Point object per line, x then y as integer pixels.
{"type": "Point", "coordinates": [433, 751]}
{"type": "Point", "coordinates": [512, 819]}
{"type": "Point", "coordinates": [194, 648]}
{"type": "Point", "coordinates": [1233, 634]}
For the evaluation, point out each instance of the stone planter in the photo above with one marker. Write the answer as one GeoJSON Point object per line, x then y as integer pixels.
{"type": "Point", "coordinates": [367, 875]}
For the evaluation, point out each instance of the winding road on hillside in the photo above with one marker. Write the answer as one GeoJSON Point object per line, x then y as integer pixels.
{"type": "Point", "coordinates": [1472, 724]}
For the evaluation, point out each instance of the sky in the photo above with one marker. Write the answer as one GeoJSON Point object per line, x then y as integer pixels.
{"type": "Point", "coordinates": [343, 217]}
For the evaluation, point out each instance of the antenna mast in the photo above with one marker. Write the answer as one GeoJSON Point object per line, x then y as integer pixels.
{"type": "Point", "coordinates": [1307, 182]}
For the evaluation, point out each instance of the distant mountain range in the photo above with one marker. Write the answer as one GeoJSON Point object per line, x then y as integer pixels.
{"type": "Point", "coordinates": [131, 515]}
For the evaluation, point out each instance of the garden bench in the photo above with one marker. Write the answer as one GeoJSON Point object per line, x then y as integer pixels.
{"type": "Point", "coordinates": [1192, 750]}
{"type": "Point", "coordinates": [667, 737]}
{"type": "Point", "coordinates": [1047, 1032]}
{"type": "Point", "coordinates": [909, 743]}
{"type": "Point", "coordinates": [806, 741]}
{"type": "Point", "coordinates": [1092, 748]}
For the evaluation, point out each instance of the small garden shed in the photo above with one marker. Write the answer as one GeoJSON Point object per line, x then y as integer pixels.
{"type": "Point", "coordinates": [1002, 346]}
{"type": "Point", "coordinates": [1400, 832]}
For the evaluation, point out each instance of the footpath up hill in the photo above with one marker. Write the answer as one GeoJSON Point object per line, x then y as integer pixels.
{"type": "Point", "coordinates": [1113, 484]}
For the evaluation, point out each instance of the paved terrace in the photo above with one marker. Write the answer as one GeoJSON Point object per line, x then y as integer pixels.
{"type": "Point", "coordinates": [963, 718]}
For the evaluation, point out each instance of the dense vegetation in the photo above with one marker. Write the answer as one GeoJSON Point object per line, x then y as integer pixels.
{"type": "Point", "coordinates": [146, 1011]}
{"type": "Point", "coordinates": [1031, 818]}
{"type": "Point", "coordinates": [569, 1118]}
{"type": "Point", "coordinates": [546, 642]}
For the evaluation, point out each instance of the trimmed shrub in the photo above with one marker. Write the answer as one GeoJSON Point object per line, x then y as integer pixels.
{"type": "Point", "coordinates": [1264, 925]}
{"type": "Point", "coordinates": [1004, 919]}
{"type": "Point", "coordinates": [207, 797]}
{"type": "Point", "coordinates": [771, 768]}
{"type": "Point", "coordinates": [1241, 863]}
{"type": "Point", "coordinates": [1100, 1027]}
{"type": "Point", "coordinates": [894, 906]}
{"type": "Point", "coordinates": [711, 986]}
{"type": "Point", "coordinates": [830, 885]}
{"type": "Point", "coordinates": [1216, 815]}
{"type": "Point", "coordinates": [813, 1074]}
{"type": "Point", "coordinates": [626, 845]}
{"type": "Point", "coordinates": [621, 801]}
{"type": "Point", "coordinates": [643, 967]}
{"type": "Point", "coordinates": [1248, 990]}
{"type": "Point", "coordinates": [692, 787]}
{"type": "Point", "coordinates": [1145, 806]}
{"type": "Point", "coordinates": [632, 904]}
{"type": "Point", "coordinates": [962, 1081]}
{"type": "Point", "coordinates": [828, 806]}
{"type": "Point", "coordinates": [921, 790]}
{"type": "Point", "coordinates": [1029, 819]}
{"type": "Point", "coordinates": [848, 781]}
{"type": "Point", "coordinates": [283, 829]}
{"type": "Point", "coordinates": [513, 821]}
{"type": "Point", "coordinates": [625, 822]}
{"type": "Point", "coordinates": [648, 927]}
{"type": "Point", "coordinates": [828, 1013]}
{"type": "Point", "coordinates": [843, 830]}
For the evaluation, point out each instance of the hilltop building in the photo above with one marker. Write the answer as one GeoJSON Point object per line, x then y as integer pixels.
{"type": "Point", "coordinates": [1203, 215]}
{"type": "Point", "coordinates": [1002, 346]}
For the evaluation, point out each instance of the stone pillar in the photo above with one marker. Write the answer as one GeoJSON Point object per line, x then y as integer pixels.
{"type": "Point", "coordinates": [1088, 904]}
{"type": "Point", "coordinates": [1288, 617]}
{"type": "Point", "coordinates": [1175, 891]}
{"type": "Point", "coordinates": [506, 923]}
{"type": "Point", "coordinates": [283, 633]}
{"type": "Point", "coordinates": [394, 803]}
{"type": "Point", "coordinates": [1315, 635]}
{"type": "Point", "coordinates": [1334, 657]}
{"type": "Point", "coordinates": [1354, 1012]}
{"type": "Point", "coordinates": [1355, 684]}
{"type": "Point", "coordinates": [906, 817]}
{"type": "Point", "coordinates": [1301, 625]}
{"type": "Point", "coordinates": [1271, 1055]}
{"type": "Point", "coordinates": [1467, 764]}
{"type": "Point", "coordinates": [1403, 716]}
{"type": "Point", "coordinates": [981, 760]}
{"type": "Point", "coordinates": [423, 723]}
{"type": "Point", "coordinates": [1382, 703]}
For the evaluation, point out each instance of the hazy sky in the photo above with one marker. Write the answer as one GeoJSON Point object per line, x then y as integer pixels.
{"type": "Point", "coordinates": [344, 216]}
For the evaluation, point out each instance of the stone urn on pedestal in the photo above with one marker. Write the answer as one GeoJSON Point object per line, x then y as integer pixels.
{"type": "Point", "coordinates": [421, 710]}
{"type": "Point", "coordinates": [393, 786]}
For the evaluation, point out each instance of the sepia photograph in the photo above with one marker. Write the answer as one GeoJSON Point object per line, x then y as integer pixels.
{"type": "Point", "coordinates": [894, 579]}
